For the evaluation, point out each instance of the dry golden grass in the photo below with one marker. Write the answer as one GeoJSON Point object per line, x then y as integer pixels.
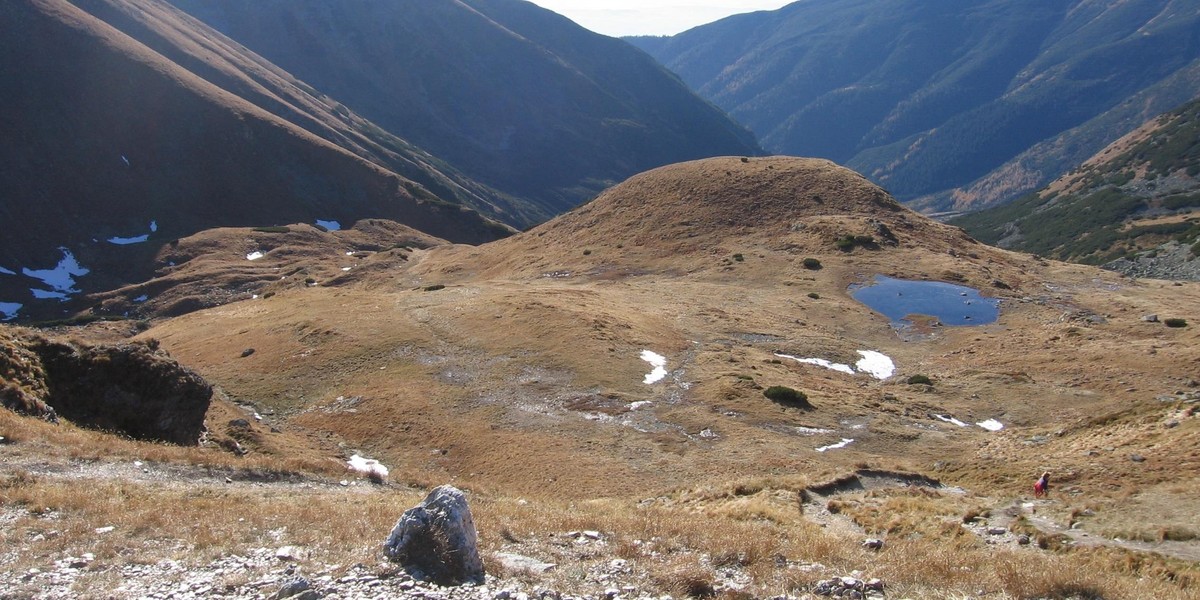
{"type": "Point", "coordinates": [521, 380]}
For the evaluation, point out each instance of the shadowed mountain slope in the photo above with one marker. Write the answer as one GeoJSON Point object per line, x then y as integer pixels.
{"type": "Point", "coordinates": [1134, 196]}
{"type": "Point", "coordinates": [107, 143]}
{"type": "Point", "coordinates": [928, 97]}
{"type": "Point", "coordinates": [514, 95]}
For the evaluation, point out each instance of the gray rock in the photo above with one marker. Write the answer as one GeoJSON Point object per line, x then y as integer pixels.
{"type": "Point", "coordinates": [519, 563]}
{"type": "Point", "coordinates": [1150, 318]}
{"type": "Point", "coordinates": [997, 530]}
{"type": "Point", "coordinates": [437, 539]}
{"type": "Point", "coordinates": [292, 588]}
{"type": "Point", "coordinates": [873, 544]}
{"type": "Point", "coordinates": [1137, 458]}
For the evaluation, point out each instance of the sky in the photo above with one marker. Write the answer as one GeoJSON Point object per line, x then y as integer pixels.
{"type": "Point", "coordinates": [651, 17]}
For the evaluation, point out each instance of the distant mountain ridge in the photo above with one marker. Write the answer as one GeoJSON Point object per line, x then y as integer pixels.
{"type": "Point", "coordinates": [129, 124]}
{"type": "Point", "coordinates": [518, 97]}
{"type": "Point", "coordinates": [112, 150]}
{"type": "Point", "coordinates": [929, 98]}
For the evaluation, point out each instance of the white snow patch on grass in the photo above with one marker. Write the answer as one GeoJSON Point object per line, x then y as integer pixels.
{"type": "Point", "coordinates": [659, 362]}
{"type": "Point", "coordinates": [4, 271]}
{"type": "Point", "coordinates": [842, 444]}
{"type": "Point", "coordinates": [639, 404]}
{"type": "Point", "coordinates": [125, 241]}
{"type": "Point", "coordinates": [330, 225]}
{"type": "Point", "coordinates": [9, 310]}
{"type": "Point", "coordinates": [345, 268]}
{"type": "Point", "coordinates": [257, 254]}
{"type": "Point", "coordinates": [951, 420]}
{"type": "Point", "coordinates": [48, 295]}
{"type": "Point", "coordinates": [876, 364]}
{"type": "Point", "coordinates": [141, 298]}
{"type": "Point", "coordinates": [62, 277]}
{"type": "Point", "coordinates": [991, 425]}
{"type": "Point", "coordinates": [368, 466]}
{"type": "Point", "coordinates": [820, 362]}
{"type": "Point", "coordinates": [812, 430]}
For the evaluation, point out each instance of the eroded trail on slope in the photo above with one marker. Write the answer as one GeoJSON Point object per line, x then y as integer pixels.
{"type": "Point", "coordinates": [998, 528]}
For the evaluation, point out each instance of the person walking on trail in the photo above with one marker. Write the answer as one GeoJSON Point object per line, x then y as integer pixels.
{"type": "Point", "coordinates": [1042, 487]}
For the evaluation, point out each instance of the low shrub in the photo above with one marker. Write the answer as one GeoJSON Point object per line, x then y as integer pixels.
{"type": "Point", "coordinates": [814, 295]}
{"type": "Point", "coordinates": [273, 229]}
{"type": "Point", "coordinates": [739, 257]}
{"type": "Point", "coordinates": [1175, 322]}
{"type": "Point", "coordinates": [920, 380]}
{"type": "Point", "coordinates": [786, 395]}
{"type": "Point", "coordinates": [812, 264]}
{"type": "Point", "coordinates": [434, 288]}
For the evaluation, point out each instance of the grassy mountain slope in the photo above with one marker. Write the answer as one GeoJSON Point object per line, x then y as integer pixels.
{"type": "Point", "coordinates": [1139, 192]}
{"type": "Point", "coordinates": [514, 370]}
{"type": "Point", "coordinates": [230, 66]}
{"type": "Point", "coordinates": [516, 96]}
{"type": "Point", "coordinates": [925, 97]}
{"type": "Point", "coordinates": [103, 136]}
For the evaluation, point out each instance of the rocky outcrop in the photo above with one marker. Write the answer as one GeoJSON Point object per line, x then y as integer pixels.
{"type": "Point", "coordinates": [436, 540]}
{"type": "Point", "coordinates": [134, 389]}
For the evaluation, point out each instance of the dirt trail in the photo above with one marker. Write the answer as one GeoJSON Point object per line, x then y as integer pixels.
{"type": "Point", "coordinates": [816, 500]}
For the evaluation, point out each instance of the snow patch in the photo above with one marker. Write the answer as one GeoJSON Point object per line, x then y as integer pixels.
{"type": "Point", "coordinates": [9, 310]}
{"type": "Point", "coordinates": [141, 298]}
{"type": "Point", "coordinates": [812, 430]}
{"type": "Point", "coordinates": [950, 420]}
{"type": "Point", "coordinates": [153, 226]}
{"type": "Point", "coordinates": [48, 295]}
{"type": "Point", "coordinates": [4, 271]}
{"type": "Point", "coordinates": [125, 241]}
{"type": "Point", "coordinates": [639, 404]}
{"type": "Point", "coordinates": [255, 255]}
{"type": "Point", "coordinates": [875, 364]}
{"type": "Point", "coordinates": [842, 444]}
{"type": "Point", "coordinates": [62, 277]}
{"type": "Point", "coordinates": [368, 466]}
{"type": "Point", "coordinates": [345, 268]}
{"type": "Point", "coordinates": [330, 225]}
{"type": "Point", "coordinates": [991, 425]}
{"type": "Point", "coordinates": [659, 362]}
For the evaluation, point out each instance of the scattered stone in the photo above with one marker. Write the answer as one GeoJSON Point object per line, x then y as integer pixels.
{"type": "Point", "coordinates": [247, 352]}
{"type": "Point", "coordinates": [437, 539]}
{"type": "Point", "coordinates": [1150, 318]}
{"type": "Point", "coordinates": [1023, 540]}
{"type": "Point", "coordinates": [519, 563]}
{"type": "Point", "coordinates": [290, 553]}
{"type": "Point", "coordinates": [1137, 458]}
{"type": "Point", "coordinates": [873, 544]}
{"type": "Point", "coordinates": [292, 588]}
{"type": "Point", "coordinates": [997, 530]}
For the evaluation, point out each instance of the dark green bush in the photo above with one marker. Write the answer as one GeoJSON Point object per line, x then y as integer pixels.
{"type": "Point", "coordinates": [1175, 322]}
{"type": "Point", "coordinates": [739, 257]}
{"type": "Point", "coordinates": [920, 380]}
{"type": "Point", "coordinates": [273, 229]}
{"type": "Point", "coordinates": [845, 243]}
{"type": "Point", "coordinates": [812, 264]}
{"type": "Point", "coordinates": [587, 252]}
{"type": "Point", "coordinates": [787, 395]}
{"type": "Point", "coordinates": [814, 295]}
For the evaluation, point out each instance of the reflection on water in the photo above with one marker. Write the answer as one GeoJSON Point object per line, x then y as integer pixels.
{"type": "Point", "coordinates": [900, 300]}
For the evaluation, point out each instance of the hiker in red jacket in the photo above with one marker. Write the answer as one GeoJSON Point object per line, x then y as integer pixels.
{"type": "Point", "coordinates": [1042, 487]}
